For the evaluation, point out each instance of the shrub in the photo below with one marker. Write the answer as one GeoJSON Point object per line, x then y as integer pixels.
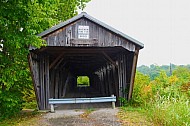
{"type": "Point", "coordinates": [11, 103]}
{"type": "Point", "coordinates": [141, 81]}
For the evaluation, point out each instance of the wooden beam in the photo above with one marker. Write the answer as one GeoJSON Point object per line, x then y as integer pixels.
{"type": "Point", "coordinates": [56, 84]}
{"type": "Point", "coordinates": [109, 58]}
{"type": "Point", "coordinates": [52, 84]}
{"type": "Point", "coordinates": [133, 71]}
{"type": "Point", "coordinates": [42, 49]}
{"type": "Point", "coordinates": [119, 77]}
{"type": "Point", "coordinates": [58, 63]}
{"type": "Point", "coordinates": [47, 90]}
{"type": "Point", "coordinates": [56, 60]}
{"type": "Point", "coordinates": [66, 83]}
{"type": "Point", "coordinates": [41, 74]}
{"type": "Point", "coordinates": [31, 66]}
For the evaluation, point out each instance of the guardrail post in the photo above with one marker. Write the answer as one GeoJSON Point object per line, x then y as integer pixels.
{"type": "Point", "coordinates": [113, 103]}
{"type": "Point", "coordinates": [52, 108]}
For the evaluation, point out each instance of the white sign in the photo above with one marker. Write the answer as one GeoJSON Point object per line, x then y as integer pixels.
{"type": "Point", "coordinates": [83, 32]}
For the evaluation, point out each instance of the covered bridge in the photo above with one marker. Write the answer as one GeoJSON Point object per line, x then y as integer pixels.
{"type": "Point", "coordinates": [83, 46]}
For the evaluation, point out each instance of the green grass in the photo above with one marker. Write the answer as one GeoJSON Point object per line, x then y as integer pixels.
{"type": "Point", "coordinates": [24, 118]}
{"type": "Point", "coordinates": [163, 112]}
{"type": "Point", "coordinates": [133, 116]}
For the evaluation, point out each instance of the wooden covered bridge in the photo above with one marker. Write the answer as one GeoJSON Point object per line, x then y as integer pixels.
{"type": "Point", "coordinates": [83, 46]}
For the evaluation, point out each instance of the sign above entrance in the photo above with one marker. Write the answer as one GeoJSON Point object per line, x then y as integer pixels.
{"type": "Point", "coordinates": [83, 32]}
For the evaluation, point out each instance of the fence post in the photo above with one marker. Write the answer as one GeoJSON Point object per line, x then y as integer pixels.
{"type": "Point", "coordinates": [52, 108]}
{"type": "Point", "coordinates": [113, 103]}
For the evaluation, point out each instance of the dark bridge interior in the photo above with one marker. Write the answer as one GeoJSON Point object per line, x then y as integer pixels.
{"type": "Point", "coordinates": [107, 68]}
{"type": "Point", "coordinates": [84, 60]}
{"type": "Point", "coordinates": [70, 62]}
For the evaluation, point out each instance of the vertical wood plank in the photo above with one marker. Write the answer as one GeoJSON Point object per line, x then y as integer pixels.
{"type": "Point", "coordinates": [47, 81]}
{"type": "Point", "coordinates": [56, 83]}
{"type": "Point", "coordinates": [133, 73]}
{"type": "Point", "coordinates": [51, 83]}
{"type": "Point", "coordinates": [33, 68]}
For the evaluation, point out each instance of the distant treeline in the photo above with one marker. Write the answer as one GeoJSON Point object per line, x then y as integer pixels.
{"type": "Point", "coordinates": [154, 70]}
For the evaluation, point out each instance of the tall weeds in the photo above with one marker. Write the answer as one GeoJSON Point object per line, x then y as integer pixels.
{"type": "Point", "coordinates": [169, 112]}
{"type": "Point", "coordinates": [166, 99]}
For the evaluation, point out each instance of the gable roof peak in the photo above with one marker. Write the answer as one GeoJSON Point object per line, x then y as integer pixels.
{"type": "Point", "coordinates": [84, 14]}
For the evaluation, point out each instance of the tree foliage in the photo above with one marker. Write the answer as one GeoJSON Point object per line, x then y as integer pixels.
{"type": "Point", "coordinates": [20, 21]}
{"type": "Point", "coordinates": [83, 81]}
{"type": "Point", "coordinates": [154, 70]}
{"type": "Point", "coordinates": [141, 81]}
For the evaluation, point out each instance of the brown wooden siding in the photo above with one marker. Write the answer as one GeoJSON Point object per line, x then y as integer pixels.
{"type": "Point", "coordinates": [105, 38]}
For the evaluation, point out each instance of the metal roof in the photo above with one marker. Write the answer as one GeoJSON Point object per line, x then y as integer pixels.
{"type": "Point", "coordinates": [85, 15]}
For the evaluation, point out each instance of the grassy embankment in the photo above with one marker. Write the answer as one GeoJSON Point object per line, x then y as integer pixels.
{"type": "Point", "coordinates": [163, 101]}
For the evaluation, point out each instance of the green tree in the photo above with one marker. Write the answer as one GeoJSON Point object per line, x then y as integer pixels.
{"type": "Point", "coordinates": [83, 81]}
{"type": "Point", "coordinates": [183, 73]}
{"type": "Point", "coordinates": [20, 21]}
{"type": "Point", "coordinates": [154, 70]}
{"type": "Point", "coordinates": [144, 69]}
{"type": "Point", "coordinates": [141, 81]}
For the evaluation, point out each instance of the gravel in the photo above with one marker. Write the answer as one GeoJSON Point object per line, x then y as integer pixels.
{"type": "Point", "coordinates": [96, 117]}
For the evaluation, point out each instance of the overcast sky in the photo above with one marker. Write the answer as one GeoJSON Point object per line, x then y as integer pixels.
{"type": "Point", "coordinates": [163, 26]}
